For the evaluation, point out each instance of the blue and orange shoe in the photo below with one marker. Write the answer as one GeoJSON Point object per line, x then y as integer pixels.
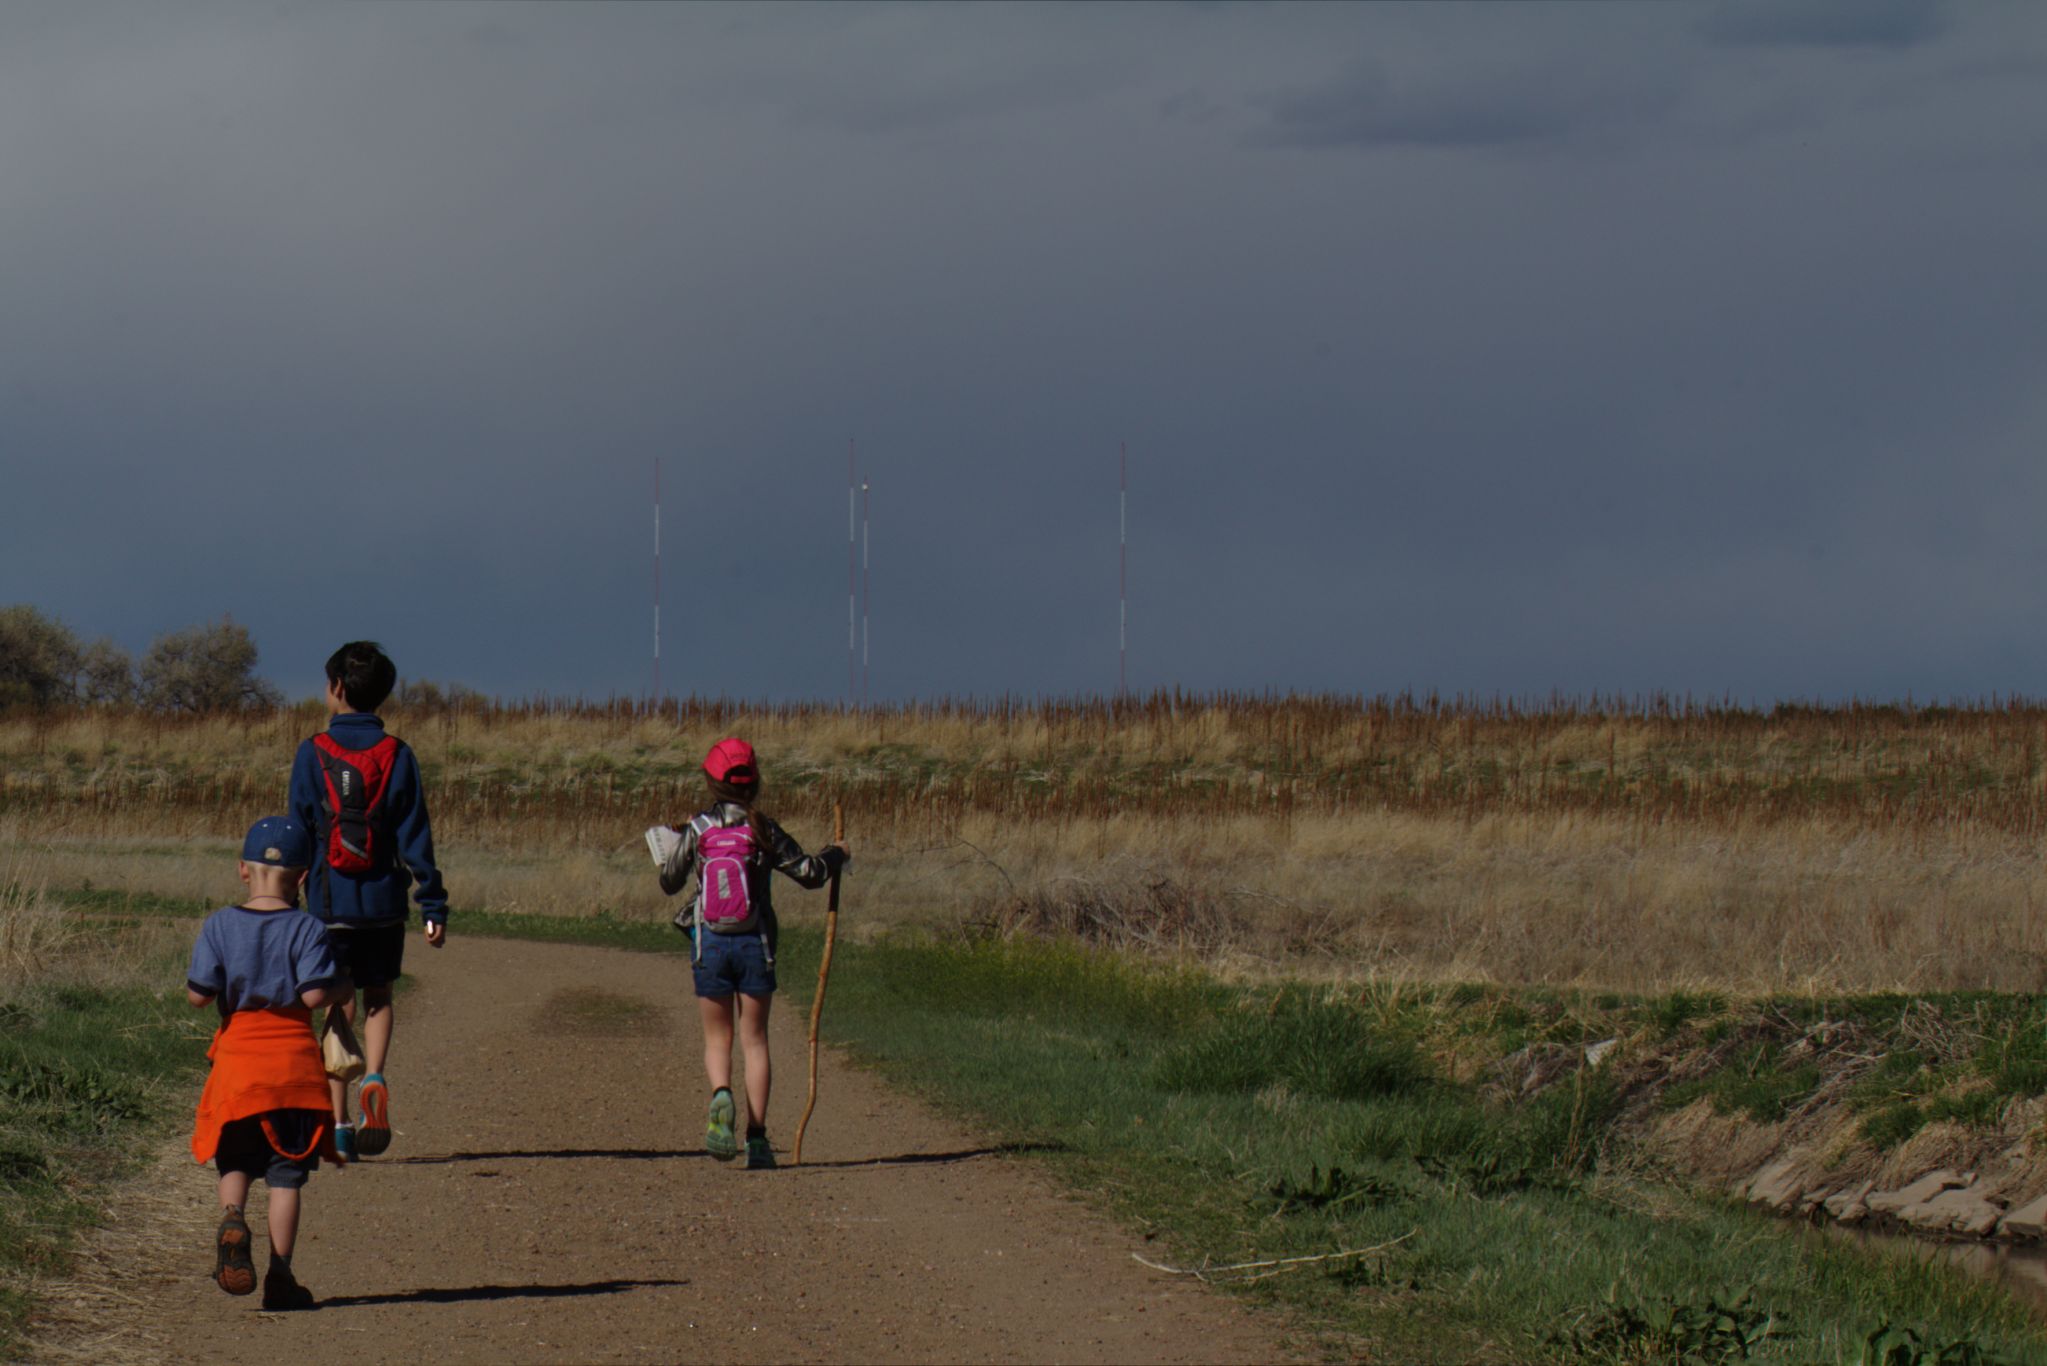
{"type": "Point", "coordinates": [373, 1134]}
{"type": "Point", "coordinates": [344, 1142]}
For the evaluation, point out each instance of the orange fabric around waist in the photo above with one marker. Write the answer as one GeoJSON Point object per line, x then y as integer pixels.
{"type": "Point", "coordinates": [263, 1060]}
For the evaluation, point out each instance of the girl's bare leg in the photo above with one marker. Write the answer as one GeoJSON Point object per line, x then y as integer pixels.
{"type": "Point", "coordinates": [716, 1013]}
{"type": "Point", "coordinates": [753, 1037]}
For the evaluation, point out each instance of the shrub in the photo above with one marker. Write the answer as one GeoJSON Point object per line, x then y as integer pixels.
{"type": "Point", "coordinates": [205, 669]}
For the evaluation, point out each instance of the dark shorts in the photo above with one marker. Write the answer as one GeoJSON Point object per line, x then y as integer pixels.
{"type": "Point", "coordinates": [245, 1148]}
{"type": "Point", "coordinates": [733, 962]}
{"type": "Point", "coordinates": [372, 954]}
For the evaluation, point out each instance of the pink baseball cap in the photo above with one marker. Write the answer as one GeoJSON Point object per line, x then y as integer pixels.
{"type": "Point", "coordinates": [731, 761]}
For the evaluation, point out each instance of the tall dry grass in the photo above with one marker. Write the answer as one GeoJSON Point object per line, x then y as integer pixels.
{"type": "Point", "coordinates": [1635, 845]}
{"type": "Point", "coordinates": [34, 932]}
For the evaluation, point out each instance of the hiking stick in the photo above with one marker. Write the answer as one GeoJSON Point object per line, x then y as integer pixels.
{"type": "Point", "coordinates": [824, 973]}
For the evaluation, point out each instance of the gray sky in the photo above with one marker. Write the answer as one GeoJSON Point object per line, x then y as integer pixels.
{"type": "Point", "coordinates": [1498, 348]}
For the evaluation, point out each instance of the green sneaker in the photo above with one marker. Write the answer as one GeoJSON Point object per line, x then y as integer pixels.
{"type": "Point", "coordinates": [759, 1155]}
{"type": "Point", "coordinates": [718, 1140]}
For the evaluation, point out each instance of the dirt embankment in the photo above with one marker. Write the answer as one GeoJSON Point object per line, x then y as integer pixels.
{"type": "Point", "coordinates": [548, 1199]}
{"type": "Point", "coordinates": [1790, 1114]}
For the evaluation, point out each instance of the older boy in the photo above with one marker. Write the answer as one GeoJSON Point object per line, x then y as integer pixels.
{"type": "Point", "coordinates": [359, 790]}
{"type": "Point", "coordinates": [266, 965]}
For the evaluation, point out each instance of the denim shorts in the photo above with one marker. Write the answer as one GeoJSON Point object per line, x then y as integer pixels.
{"type": "Point", "coordinates": [733, 962]}
{"type": "Point", "coordinates": [245, 1148]}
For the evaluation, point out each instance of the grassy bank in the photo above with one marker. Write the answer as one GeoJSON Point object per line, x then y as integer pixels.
{"type": "Point", "coordinates": [1247, 1125]}
{"type": "Point", "coordinates": [99, 1054]}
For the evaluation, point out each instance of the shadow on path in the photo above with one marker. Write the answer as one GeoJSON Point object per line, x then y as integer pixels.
{"type": "Point", "coordinates": [650, 1154]}
{"type": "Point", "coordinates": [468, 1293]}
{"type": "Point", "coordinates": [620, 1154]}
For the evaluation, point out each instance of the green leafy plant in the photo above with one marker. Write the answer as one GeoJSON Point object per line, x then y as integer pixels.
{"type": "Point", "coordinates": [1331, 1190]}
{"type": "Point", "coordinates": [1705, 1331]}
{"type": "Point", "coordinates": [1889, 1346]}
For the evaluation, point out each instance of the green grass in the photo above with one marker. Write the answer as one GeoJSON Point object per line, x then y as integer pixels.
{"type": "Point", "coordinates": [87, 1076]}
{"type": "Point", "coordinates": [1234, 1126]}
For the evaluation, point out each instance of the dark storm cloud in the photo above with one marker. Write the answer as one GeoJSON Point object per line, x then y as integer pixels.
{"type": "Point", "coordinates": [1826, 23]}
{"type": "Point", "coordinates": [1365, 106]}
{"type": "Point", "coordinates": [1483, 348]}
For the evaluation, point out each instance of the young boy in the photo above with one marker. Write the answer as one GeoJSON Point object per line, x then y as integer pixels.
{"type": "Point", "coordinates": [264, 1112]}
{"type": "Point", "coordinates": [359, 791]}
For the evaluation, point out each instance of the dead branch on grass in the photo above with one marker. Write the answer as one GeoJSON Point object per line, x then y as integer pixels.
{"type": "Point", "coordinates": [1275, 1266]}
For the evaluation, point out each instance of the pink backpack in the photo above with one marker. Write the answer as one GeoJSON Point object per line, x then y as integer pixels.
{"type": "Point", "coordinates": [726, 857]}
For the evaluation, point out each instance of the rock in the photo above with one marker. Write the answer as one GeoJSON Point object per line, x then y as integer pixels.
{"type": "Point", "coordinates": [1776, 1185]}
{"type": "Point", "coordinates": [1964, 1211]}
{"type": "Point", "coordinates": [1918, 1193]}
{"type": "Point", "coordinates": [2027, 1221]}
{"type": "Point", "coordinates": [1850, 1204]}
{"type": "Point", "coordinates": [1596, 1054]}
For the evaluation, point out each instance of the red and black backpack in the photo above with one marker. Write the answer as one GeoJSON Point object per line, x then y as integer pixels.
{"type": "Point", "coordinates": [358, 828]}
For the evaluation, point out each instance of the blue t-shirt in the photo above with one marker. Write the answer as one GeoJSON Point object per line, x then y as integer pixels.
{"type": "Point", "coordinates": [253, 960]}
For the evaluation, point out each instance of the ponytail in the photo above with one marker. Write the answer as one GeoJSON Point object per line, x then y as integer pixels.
{"type": "Point", "coordinates": [743, 795]}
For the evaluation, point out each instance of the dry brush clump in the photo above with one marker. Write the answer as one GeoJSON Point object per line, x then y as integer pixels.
{"type": "Point", "coordinates": [1634, 843]}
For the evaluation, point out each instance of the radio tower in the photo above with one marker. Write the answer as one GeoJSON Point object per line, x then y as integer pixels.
{"type": "Point", "coordinates": [657, 583]}
{"type": "Point", "coordinates": [866, 579]}
{"type": "Point", "coordinates": [852, 584]}
{"type": "Point", "coordinates": [1123, 571]}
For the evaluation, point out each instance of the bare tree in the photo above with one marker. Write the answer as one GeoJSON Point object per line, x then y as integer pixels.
{"type": "Point", "coordinates": [39, 659]}
{"type": "Point", "coordinates": [205, 668]}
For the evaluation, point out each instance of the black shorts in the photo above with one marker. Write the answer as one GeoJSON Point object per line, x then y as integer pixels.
{"type": "Point", "coordinates": [370, 954]}
{"type": "Point", "coordinates": [245, 1148]}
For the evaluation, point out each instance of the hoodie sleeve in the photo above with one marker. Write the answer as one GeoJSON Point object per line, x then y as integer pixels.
{"type": "Point", "coordinates": [806, 870]}
{"type": "Point", "coordinates": [306, 796]}
{"type": "Point", "coordinates": [681, 861]}
{"type": "Point", "coordinates": [407, 796]}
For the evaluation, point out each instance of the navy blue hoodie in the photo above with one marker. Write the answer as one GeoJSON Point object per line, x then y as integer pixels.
{"type": "Point", "coordinates": [376, 898]}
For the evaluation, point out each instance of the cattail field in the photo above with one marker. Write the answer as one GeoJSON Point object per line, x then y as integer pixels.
{"type": "Point", "coordinates": [1636, 844]}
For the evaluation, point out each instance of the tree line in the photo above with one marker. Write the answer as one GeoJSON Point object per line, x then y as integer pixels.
{"type": "Point", "coordinates": [205, 668]}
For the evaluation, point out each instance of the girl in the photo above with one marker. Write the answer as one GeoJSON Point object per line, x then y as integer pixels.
{"type": "Point", "coordinates": [731, 922]}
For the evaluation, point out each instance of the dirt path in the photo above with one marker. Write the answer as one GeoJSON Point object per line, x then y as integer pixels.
{"type": "Point", "coordinates": [548, 1199]}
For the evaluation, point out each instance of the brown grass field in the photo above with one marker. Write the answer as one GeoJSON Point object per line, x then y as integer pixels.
{"type": "Point", "coordinates": [1634, 846]}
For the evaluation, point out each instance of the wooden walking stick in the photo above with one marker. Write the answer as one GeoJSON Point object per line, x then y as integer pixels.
{"type": "Point", "coordinates": [824, 973]}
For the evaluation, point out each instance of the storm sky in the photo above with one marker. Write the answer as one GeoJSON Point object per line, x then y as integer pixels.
{"type": "Point", "coordinates": [1494, 349]}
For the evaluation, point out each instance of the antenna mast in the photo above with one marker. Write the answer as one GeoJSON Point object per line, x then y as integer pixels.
{"type": "Point", "coordinates": [1123, 571]}
{"type": "Point", "coordinates": [852, 580]}
{"type": "Point", "coordinates": [657, 582]}
{"type": "Point", "coordinates": [866, 579]}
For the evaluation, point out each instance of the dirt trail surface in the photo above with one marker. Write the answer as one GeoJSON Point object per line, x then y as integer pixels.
{"type": "Point", "coordinates": [548, 1198]}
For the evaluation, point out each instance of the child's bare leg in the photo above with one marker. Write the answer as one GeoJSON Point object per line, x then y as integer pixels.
{"type": "Point", "coordinates": [337, 1091]}
{"type": "Point", "coordinates": [234, 1189]}
{"type": "Point", "coordinates": [284, 1218]}
{"type": "Point", "coordinates": [716, 1013]}
{"type": "Point", "coordinates": [753, 1037]}
{"type": "Point", "coordinates": [376, 1029]}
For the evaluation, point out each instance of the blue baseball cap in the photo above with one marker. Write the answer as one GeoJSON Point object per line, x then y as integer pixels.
{"type": "Point", "coordinates": [280, 842]}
